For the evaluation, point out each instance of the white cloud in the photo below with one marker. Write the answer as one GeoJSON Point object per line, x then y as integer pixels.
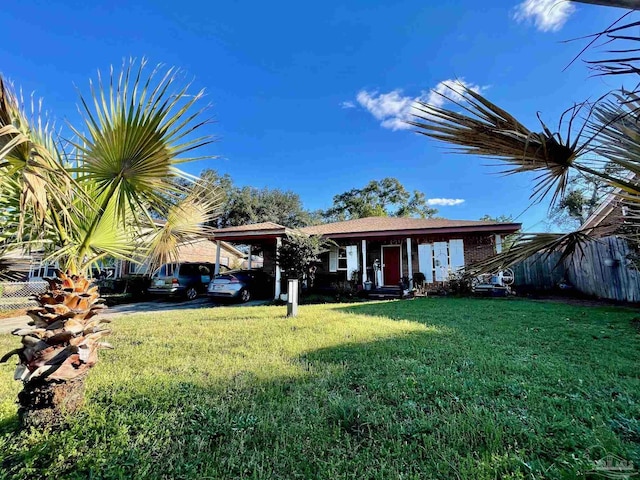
{"type": "Point", "coordinates": [445, 202]}
{"type": "Point", "coordinates": [448, 90]}
{"type": "Point", "coordinates": [394, 108]}
{"type": "Point", "coordinates": [547, 15]}
{"type": "Point", "coordinates": [348, 104]}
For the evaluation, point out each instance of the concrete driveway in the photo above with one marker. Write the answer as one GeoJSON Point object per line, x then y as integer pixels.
{"type": "Point", "coordinates": [7, 325]}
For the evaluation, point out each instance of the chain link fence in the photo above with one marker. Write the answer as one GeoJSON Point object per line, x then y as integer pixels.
{"type": "Point", "coordinates": [18, 295]}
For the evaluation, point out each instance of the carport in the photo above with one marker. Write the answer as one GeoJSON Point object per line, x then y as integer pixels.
{"type": "Point", "coordinates": [266, 236]}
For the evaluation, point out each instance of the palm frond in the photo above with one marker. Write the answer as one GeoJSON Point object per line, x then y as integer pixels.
{"type": "Point", "coordinates": [186, 221]}
{"type": "Point", "coordinates": [616, 127]}
{"type": "Point", "coordinates": [86, 245]}
{"type": "Point", "coordinates": [138, 127]}
{"type": "Point", "coordinates": [526, 245]}
{"type": "Point", "coordinates": [486, 130]}
{"type": "Point", "coordinates": [30, 158]}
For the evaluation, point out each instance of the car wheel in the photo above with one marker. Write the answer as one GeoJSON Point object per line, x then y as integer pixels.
{"type": "Point", "coordinates": [192, 293]}
{"type": "Point", "coordinates": [245, 295]}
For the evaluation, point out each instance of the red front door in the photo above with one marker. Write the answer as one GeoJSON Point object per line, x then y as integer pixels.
{"type": "Point", "coordinates": [391, 265]}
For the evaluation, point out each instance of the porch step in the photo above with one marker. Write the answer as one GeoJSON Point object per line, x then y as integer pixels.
{"type": "Point", "coordinates": [385, 293]}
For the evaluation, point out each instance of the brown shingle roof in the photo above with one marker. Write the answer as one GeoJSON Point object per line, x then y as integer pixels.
{"type": "Point", "coordinates": [390, 224]}
{"type": "Point", "coordinates": [251, 227]}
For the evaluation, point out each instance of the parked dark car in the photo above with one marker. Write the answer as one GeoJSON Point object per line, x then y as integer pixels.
{"type": "Point", "coordinates": [241, 285]}
{"type": "Point", "coordinates": [186, 279]}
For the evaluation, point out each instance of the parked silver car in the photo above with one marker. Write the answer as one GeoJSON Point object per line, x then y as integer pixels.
{"type": "Point", "coordinates": [187, 279]}
{"type": "Point", "coordinates": [241, 285]}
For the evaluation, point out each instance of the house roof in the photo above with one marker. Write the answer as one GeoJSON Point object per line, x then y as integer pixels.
{"type": "Point", "coordinates": [606, 208]}
{"type": "Point", "coordinates": [603, 211]}
{"type": "Point", "coordinates": [384, 226]}
{"type": "Point", "coordinates": [251, 226]}
{"type": "Point", "coordinates": [366, 227]}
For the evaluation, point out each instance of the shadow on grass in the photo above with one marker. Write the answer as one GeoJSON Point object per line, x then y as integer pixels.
{"type": "Point", "coordinates": [10, 425]}
{"type": "Point", "coordinates": [414, 405]}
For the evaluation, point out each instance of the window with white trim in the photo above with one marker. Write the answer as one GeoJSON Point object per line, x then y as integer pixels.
{"type": "Point", "coordinates": [44, 269]}
{"type": "Point", "coordinates": [342, 258]}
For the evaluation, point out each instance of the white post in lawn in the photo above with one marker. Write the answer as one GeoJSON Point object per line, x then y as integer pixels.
{"type": "Point", "coordinates": [249, 257]}
{"type": "Point", "coordinates": [292, 298]}
{"type": "Point", "coordinates": [216, 270]}
{"type": "Point", "coordinates": [277, 286]}
{"type": "Point", "coordinates": [409, 264]}
{"type": "Point", "coordinates": [364, 262]}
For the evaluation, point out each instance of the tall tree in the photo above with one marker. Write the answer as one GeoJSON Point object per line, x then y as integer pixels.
{"type": "Point", "coordinates": [498, 219]}
{"type": "Point", "coordinates": [252, 205]}
{"type": "Point", "coordinates": [379, 198]}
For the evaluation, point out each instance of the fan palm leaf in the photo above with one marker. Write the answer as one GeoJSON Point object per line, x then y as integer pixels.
{"type": "Point", "coordinates": [616, 127]}
{"type": "Point", "coordinates": [486, 130]}
{"type": "Point", "coordinates": [185, 221]}
{"type": "Point", "coordinates": [138, 129]}
{"type": "Point", "coordinates": [31, 162]}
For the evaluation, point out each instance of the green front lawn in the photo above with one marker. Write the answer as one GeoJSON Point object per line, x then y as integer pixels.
{"type": "Point", "coordinates": [429, 388]}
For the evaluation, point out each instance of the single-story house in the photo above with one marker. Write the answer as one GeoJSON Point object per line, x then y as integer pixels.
{"type": "Point", "coordinates": [381, 251]}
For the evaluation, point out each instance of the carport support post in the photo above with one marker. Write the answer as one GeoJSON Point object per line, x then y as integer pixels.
{"type": "Point", "coordinates": [278, 277]}
{"type": "Point", "coordinates": [292, 298]}
{"type": "Point", "coordinates": [409, 266]}
{"type": "Point", "coordinates": [216, 270]}
{"type": "Point", "coordinates": [249, 256]}
{"type": "Point", "coordinates": [364, 262]}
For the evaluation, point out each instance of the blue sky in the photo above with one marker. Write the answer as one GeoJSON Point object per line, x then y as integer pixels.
{"type": "Point", "coordinates": [309, 96]}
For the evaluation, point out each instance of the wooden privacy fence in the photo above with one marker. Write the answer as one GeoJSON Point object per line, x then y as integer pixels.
{"type": "Point", "coordinates": [602, 270]}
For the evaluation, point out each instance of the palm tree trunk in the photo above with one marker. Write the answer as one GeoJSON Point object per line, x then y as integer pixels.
{"type": "Point", "coordinates": [47, 404]}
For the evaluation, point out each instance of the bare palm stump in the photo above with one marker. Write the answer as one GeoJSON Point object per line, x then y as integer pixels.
{"type": "Point", "coordinates": [58, 349]}
{"type": "Point", "coordinates": [47, 404]}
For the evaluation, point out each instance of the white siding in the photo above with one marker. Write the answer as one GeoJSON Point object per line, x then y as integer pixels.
{"type": "Point", "coordinates": [425, 261]}
{"type": "Point", "coordinates": [352, 260]}
{"type": "Point", "coordinates": [456, 255]}
{"type": "Point", "coordinates": [333, 259]}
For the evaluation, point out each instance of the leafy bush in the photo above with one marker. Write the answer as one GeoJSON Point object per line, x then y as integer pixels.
{"type": "Point", "coordinates": [298, 253]}
{"type": "Point", "coordinates": [458, 283]}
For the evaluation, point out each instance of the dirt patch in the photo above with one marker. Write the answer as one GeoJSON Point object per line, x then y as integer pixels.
{"type": "Point", "coordinates": [13, 313]}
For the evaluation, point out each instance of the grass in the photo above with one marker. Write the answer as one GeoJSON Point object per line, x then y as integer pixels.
{"type": "Point", "coordinates": [429, 388]}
